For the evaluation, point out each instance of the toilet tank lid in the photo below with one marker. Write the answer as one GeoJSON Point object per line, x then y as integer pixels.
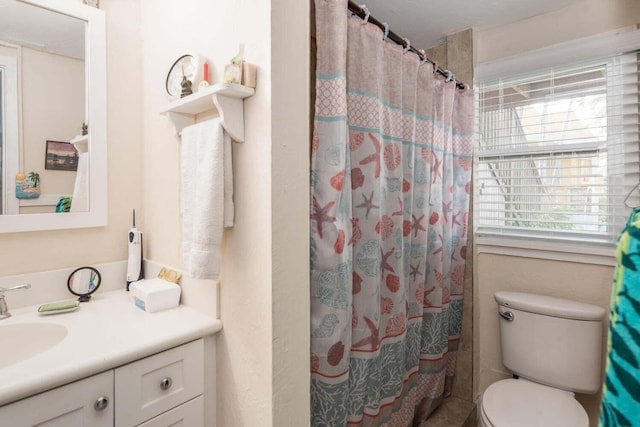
{"type": "Point", "coordinates": [550, 306]}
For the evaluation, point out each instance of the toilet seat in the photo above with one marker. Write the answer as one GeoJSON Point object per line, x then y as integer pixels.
{"type": "Point", "coordinates": [522, 403]}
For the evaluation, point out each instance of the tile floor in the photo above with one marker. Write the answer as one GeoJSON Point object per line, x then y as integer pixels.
{"type": "Point", "coordinates": [454, 412]}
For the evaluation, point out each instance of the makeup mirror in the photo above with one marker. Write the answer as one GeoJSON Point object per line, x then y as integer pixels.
{"type": "Point", "coordinates": [83, 282]}
{"type": "Point", "coordinates": [53, 79]}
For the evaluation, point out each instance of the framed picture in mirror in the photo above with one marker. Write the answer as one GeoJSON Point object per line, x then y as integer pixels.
{"type": "Point", "coordinates": [61, 156]}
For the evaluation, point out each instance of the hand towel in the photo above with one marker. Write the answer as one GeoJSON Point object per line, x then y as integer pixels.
{"type": "Point", "coordinates": [80, 199]}
{"type": "Point", "coordinates": [620, 403]}
{"type": "Point", "coordinates": [207, 196]}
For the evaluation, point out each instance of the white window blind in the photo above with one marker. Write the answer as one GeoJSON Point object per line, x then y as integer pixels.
{"type": "Point", "coordinates": [557, 152]}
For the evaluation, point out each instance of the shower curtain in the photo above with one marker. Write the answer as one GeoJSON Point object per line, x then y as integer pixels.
{"type": "Point", "coordinates": [390, 182]}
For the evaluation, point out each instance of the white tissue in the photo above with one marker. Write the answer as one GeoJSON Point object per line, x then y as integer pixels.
{"type": "Point", "coordinates": [153, 295]}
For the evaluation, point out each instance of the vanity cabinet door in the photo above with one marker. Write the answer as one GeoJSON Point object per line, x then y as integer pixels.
{"type": "Point", "coordinates": [88, 402]}
{"type": "Point", "coordinates": [158, 383]}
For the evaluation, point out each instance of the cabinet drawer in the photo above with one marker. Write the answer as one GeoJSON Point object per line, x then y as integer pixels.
{"type": "Point", "coordinates": [151, 386]}
{"type": "Point", "coordinates": [190, 414]}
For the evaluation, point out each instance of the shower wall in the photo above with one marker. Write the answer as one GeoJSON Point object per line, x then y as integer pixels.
{"type": "Point", "coordinates": [456, 54]}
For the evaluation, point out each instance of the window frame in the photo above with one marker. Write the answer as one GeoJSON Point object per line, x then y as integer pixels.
{"type": "Point", "coordinates": [583, 50]}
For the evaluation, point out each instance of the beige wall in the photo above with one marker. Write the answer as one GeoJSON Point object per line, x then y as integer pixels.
{"type": "Point", "coordinates": [53, 108]}
{"type": "Point", "coordinates": [47, 250]}
{"type": "Point", "coordinates": [262, 354]}
{"type": "Point", "coordinates": [290, 142]}
{"type": "Point", "coordinates": [583, 282]}
{"type": "Point", "coordinates": [214, 30]}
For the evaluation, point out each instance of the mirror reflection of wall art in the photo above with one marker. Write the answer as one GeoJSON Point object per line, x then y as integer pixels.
{"type": "Point", "coordinates": [61, 156]}
{"type": "Point", "coordinates": [28, 186]}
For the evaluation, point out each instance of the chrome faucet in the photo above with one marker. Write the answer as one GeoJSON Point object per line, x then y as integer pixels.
{"type": "Point", "coordinates": [4, 311]}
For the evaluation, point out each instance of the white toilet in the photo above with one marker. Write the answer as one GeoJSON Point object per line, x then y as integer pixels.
{"type": "Point", "coordinates": [553, 347]}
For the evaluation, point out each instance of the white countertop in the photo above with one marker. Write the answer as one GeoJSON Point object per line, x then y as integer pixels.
{"type": "Point", "coordinates": [104, 333]}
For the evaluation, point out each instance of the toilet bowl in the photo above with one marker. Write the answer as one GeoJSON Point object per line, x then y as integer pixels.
{"type": "Point", "coordinates": [522, 403]}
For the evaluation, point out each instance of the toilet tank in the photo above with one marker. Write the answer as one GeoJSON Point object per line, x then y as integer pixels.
{"type": "Point", "coordinates": [551, 341]}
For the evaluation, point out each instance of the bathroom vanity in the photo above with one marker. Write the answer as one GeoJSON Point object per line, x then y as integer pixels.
{"type": "Point", "coordinates": [108, 364]}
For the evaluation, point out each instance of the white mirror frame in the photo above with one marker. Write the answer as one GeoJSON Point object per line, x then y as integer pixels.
{"type": "Point", "coordinates": [96, 105]}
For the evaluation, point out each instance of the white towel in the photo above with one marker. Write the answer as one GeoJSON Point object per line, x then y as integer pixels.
{"type": "Point", "coordinates": [80, 199]}
{"type": "Point", "coordinates": [207, 196]}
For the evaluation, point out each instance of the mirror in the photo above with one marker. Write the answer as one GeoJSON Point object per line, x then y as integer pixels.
{"type": "Point", "coordinates": [53, 79]}
{"type": "Point", "coordinates": [83, 282]}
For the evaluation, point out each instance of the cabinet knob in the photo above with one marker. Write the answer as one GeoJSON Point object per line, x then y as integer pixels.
{"type": "Point", "coordinates": [166, 383]}
{"type": "Point", "coordinates": [101, 403]}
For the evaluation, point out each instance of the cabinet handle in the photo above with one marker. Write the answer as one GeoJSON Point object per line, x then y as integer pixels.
{"type": "Point", "coordinates": [166, 383]}
{"type": "Point", "coordinates": [101, 403]}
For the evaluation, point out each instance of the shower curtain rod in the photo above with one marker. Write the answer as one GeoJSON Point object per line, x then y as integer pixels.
{"type": "Point", "coordinates": [357, 10]}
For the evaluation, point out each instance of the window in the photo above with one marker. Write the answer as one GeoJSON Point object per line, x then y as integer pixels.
{"type": "Point", "coordinates": [557, 152]}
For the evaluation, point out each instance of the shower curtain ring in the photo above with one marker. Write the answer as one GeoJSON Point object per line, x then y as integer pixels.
{"type": "Point", "coordinates": [450, 76]}
{"type": "Point", "coordinates": [386, 30]}
{"type": "Point", "coordinates": [366, 14]}
{"type": "Point", "coordinates": [423, 59]}
{"type": "Point", "coordinates": [407, 45]}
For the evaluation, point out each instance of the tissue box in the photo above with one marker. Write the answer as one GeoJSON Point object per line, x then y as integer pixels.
{"type": "Point", "coordinates": [154, 294]}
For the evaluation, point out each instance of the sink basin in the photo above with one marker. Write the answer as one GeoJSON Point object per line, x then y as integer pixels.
{"type": "Point", "coordinates": [21, 341]}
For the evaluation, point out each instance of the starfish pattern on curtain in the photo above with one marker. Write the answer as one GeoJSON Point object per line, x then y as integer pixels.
{"type": "Point", "coordinates": [390, 182]}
